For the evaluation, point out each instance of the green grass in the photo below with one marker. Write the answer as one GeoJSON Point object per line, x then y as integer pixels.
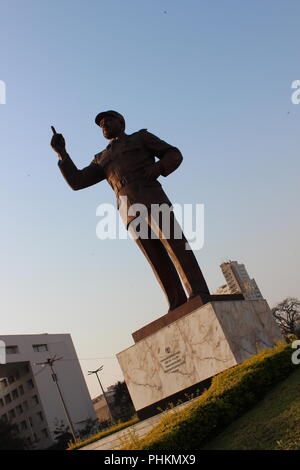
{"type": "Point", "coordinates": [273, 424]}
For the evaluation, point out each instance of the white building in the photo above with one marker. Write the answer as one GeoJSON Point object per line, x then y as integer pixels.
{"type": "Point", "coordinates": [238, 281]}
{"type": "Point", "coordinates": [29, 396]}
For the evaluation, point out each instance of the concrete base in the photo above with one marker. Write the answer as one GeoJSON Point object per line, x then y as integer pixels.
{"type": "Point", "coordinates": [194, 348]}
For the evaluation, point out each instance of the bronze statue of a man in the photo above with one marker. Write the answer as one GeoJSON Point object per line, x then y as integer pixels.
{"type": "Point", "coordinates": [128, 164]}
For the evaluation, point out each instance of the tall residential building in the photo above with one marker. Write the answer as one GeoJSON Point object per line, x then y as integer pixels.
{"type": "Point", "coordinates": [238, 281]}
{"type": "Point", "coordinates": [29, 397]}
{"type": "Point", "coordinates": [222, 290]}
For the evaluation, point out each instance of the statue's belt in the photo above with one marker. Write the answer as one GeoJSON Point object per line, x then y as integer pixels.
{"type": "Point", "coordinates": [124, 181]}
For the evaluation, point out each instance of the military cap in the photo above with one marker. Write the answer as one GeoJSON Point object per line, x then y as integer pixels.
{"type": "Point", "coordinates": [109, 113]}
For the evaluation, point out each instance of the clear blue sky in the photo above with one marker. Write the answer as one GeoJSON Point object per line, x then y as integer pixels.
{"type": "Point", "coordinates": [211, 77]}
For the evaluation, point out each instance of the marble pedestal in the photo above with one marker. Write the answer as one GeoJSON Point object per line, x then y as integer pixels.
{"type": "Point", "coordinates": [170, 359]}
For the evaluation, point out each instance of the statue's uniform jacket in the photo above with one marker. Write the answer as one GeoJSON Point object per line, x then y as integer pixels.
{"type": "Point", "coordinates": [122, 163]}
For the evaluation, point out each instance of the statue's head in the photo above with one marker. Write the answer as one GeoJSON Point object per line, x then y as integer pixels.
{"type": "Point", "coordinates": [111, 123]}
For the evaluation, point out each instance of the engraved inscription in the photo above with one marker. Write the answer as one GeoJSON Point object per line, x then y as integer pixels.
{"type": "Point", "coordinates": [172, 362]}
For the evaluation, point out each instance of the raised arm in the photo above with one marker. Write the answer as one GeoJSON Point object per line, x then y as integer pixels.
{"type": "Point", "coordinates": [77, 179]}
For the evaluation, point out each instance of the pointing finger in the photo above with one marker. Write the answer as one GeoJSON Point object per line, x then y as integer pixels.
{"type": "Point", "coordinates": [53, 130]}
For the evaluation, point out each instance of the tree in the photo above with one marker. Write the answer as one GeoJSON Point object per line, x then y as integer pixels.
{"type": "Point", "coordinates": [62, 436]}
{"type": "Point", "coordinates": [9, 439]}
{"type": "Point", "coordinates": [287, 316]}
{"type": "Point", "coordinates": [90, 428]}
{"type": "Point", "coordinates": [122, 401]}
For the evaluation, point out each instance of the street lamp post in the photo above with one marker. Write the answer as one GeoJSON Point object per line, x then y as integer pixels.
{"type": "Point", "coordinates": [90, 372]}
{"type": "Point", "coordinates": [50, 361]}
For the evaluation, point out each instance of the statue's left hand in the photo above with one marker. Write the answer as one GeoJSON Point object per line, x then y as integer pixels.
{"type": "Point", "coordinates": [152, 172]}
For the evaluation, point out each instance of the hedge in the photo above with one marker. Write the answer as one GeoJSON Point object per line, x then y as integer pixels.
{"type": "Point", "coordinates": [100, 435]}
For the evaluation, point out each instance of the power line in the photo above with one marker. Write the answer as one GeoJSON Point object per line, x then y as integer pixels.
{"type": "Point", "coordinates": [88, 358]}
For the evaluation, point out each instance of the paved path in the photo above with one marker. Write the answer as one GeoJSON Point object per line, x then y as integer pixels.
{"type": "Point", "coordinates": [116, 440]}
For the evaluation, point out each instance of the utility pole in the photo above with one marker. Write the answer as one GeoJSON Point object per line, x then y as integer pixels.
{"type": "Point", "coordinates": [90, 372]}
{"type": "Point", "coordinates": [50, 361]}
